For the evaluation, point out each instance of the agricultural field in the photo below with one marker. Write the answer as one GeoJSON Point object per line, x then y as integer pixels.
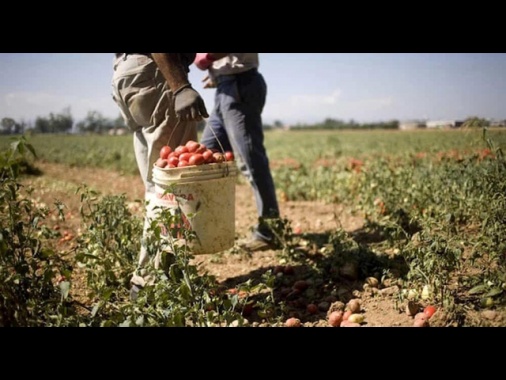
{"type": "Point", "coordinates": [396, 228]}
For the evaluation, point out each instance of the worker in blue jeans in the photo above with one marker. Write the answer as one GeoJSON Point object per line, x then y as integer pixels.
{"type": "Point", "coordinates": [236, 121]}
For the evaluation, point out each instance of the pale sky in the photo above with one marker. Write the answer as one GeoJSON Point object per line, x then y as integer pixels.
{"type": "Point", "coordinates": [302, 87]}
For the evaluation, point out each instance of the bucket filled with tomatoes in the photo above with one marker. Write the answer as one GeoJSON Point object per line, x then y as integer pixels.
{"type": "Point", "coordinates": [198, 184]}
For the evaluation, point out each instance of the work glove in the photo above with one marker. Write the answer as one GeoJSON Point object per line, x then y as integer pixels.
{"type": "Point", "coordinates": [209, 82]}
{"type": "Point", "coordinates": [203, 61]}
{"type": "Point", "coordinates": [188, 104]}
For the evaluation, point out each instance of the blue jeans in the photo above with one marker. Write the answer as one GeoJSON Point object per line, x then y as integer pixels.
{"type": "Point", "coordinates": [236, 121]}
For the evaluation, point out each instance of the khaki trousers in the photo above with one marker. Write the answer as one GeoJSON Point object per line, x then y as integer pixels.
{"type": "Point", "coordinates": [146, 104]}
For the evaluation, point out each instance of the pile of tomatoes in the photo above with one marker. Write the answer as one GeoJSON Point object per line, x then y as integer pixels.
{"type": "Point", "coordinates": [191, 153]}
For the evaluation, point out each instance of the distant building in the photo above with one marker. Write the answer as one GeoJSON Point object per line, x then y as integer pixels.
{"type": "Point", "coordinates": [498, 123]}
{"type": "Point", "coordinates": [117, 131]}
{"type": "Point", "coordinates": [411, 124]}
{"type": "Point", "coordinates": [444, 124]}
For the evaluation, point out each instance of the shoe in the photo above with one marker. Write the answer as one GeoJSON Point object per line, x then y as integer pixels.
{"type": "Point", "coordinates": [255, 245]}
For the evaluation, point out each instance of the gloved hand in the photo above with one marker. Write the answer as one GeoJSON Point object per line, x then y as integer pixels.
{"type": "Point", "coordinates": [203, 61]}
{"type": "Point", "coordinates": [209, 82]}
{"type": "Point", "coordinates": [188, 104]}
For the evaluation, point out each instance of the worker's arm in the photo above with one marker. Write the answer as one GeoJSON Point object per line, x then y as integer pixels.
{"type": "Point", "coordinates": [188, 103]}
{"type": "Point", "coordinates": [172, 68]}
{"type": "Point", "coordinates": [204, 60]}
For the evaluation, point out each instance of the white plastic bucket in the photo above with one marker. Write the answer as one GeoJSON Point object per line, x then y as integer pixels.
{"type": "Point", "coordinates": [205, 194]}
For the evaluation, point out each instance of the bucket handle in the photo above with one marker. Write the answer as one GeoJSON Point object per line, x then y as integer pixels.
{"type": "Point", "coordinates": [217, 139]}
{"type": "Point", "coordinates": [173, 130]}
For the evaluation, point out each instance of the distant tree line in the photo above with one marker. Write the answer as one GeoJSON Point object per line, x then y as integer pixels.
{"type": "Point", "coordinates": [96, 123]}
{"type": "Point", "coordinates": [63, 122]}
{"type": "Point", "coordinates": [340, 124]}
{"type": "Point", "coordinates": [469, 122]}
{"type": "Point", "coordinates": [337, 124]}
{"type": "Point", "coordinates": [10, 126]}
{"type": "Point", "coordinates": [55, 123]}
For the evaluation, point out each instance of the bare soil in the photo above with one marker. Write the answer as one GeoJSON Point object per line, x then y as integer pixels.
{"type": "Point", "coordinates": [378, 305]}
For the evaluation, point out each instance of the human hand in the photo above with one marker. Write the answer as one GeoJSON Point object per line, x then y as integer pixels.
{"type": "Point", "coordinates": [209, 83]}
{"type": "Point", "coordinates": [189, 105]}
{"type": "Point", "coordinates": [203, 61]}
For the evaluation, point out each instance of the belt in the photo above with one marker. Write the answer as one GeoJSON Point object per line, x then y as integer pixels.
{"type": "Point", "coordinates": [125, 54]}
{"type": "Point", "coordinates": [227, 77]}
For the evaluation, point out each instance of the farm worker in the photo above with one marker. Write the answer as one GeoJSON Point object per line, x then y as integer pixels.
{"type": "Point", "coordinates": [236, 121]}
{"type": "Point", "coordinates": [157, 102]}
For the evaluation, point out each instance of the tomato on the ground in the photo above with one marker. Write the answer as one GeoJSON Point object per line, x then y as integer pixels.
{"type": "Point", "coordinates": [429, 311]}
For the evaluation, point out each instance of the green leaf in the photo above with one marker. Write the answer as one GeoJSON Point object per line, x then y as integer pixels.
{"type": "Point", "coordinates": [31, 149]}
{"type": "Point", "coordinates": [478, 289]}
{"type": "Point", "coordinates": [235, 300]}
{"type": "Point", "coordinates": [95, 309]}
{"type": "Point", "coordinates": [46, 253]}
{"type": "Point", "coordinates": [64, 289]}
{"type": "Point", "coordinates": [106, 295]}
{"type": "Point", "coordinates": [125, 323]}
{"type": "Point", "coordinates": [494, 292]}
{"type": "Point", "coordinates": [14, 145]}
{"type": "Point", "coordinates": [140, 321]}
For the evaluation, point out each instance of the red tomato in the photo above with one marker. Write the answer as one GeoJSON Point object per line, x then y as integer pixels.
{"type": "Point", "coordinates": [346, 315]}
{"type": "Point", "coordinates": [192, 146]}
{"type": "Point", "coordinates": [229, 156]}
{"type": "Point", "coordinates": [173, 161]}
{"type": "Point", "coordinates": [312, 308]}
{"type": "Point", "coordinates": [218, 157]}
{"type": "Point", "coordinates": [335, 318]}
{"type": "Point", "coordinates": [429, 311]}
{"type": "Point", "coordinates": [161, 162]}
{"type": "Point", "coordinates": [247, 309]}
{"type": "Point", "coordinates": [196, 159]}
{"type": "Point", "coordinates": [185, 156]}
{"type": "Point", "coordinates": [300, 285]}
{"type": "Point", "coordinates": [181, 149]}
{"type": "Point", "coordinates": [201, 149]}
{"type": "Point", "coordinates": [165, 151]}
{"type": "Point", "coordinates": [208, 156]}
{"type": "Point", "coordinates": [292, 322]}
{"type": "Point", "coordinates": [182, 164]}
